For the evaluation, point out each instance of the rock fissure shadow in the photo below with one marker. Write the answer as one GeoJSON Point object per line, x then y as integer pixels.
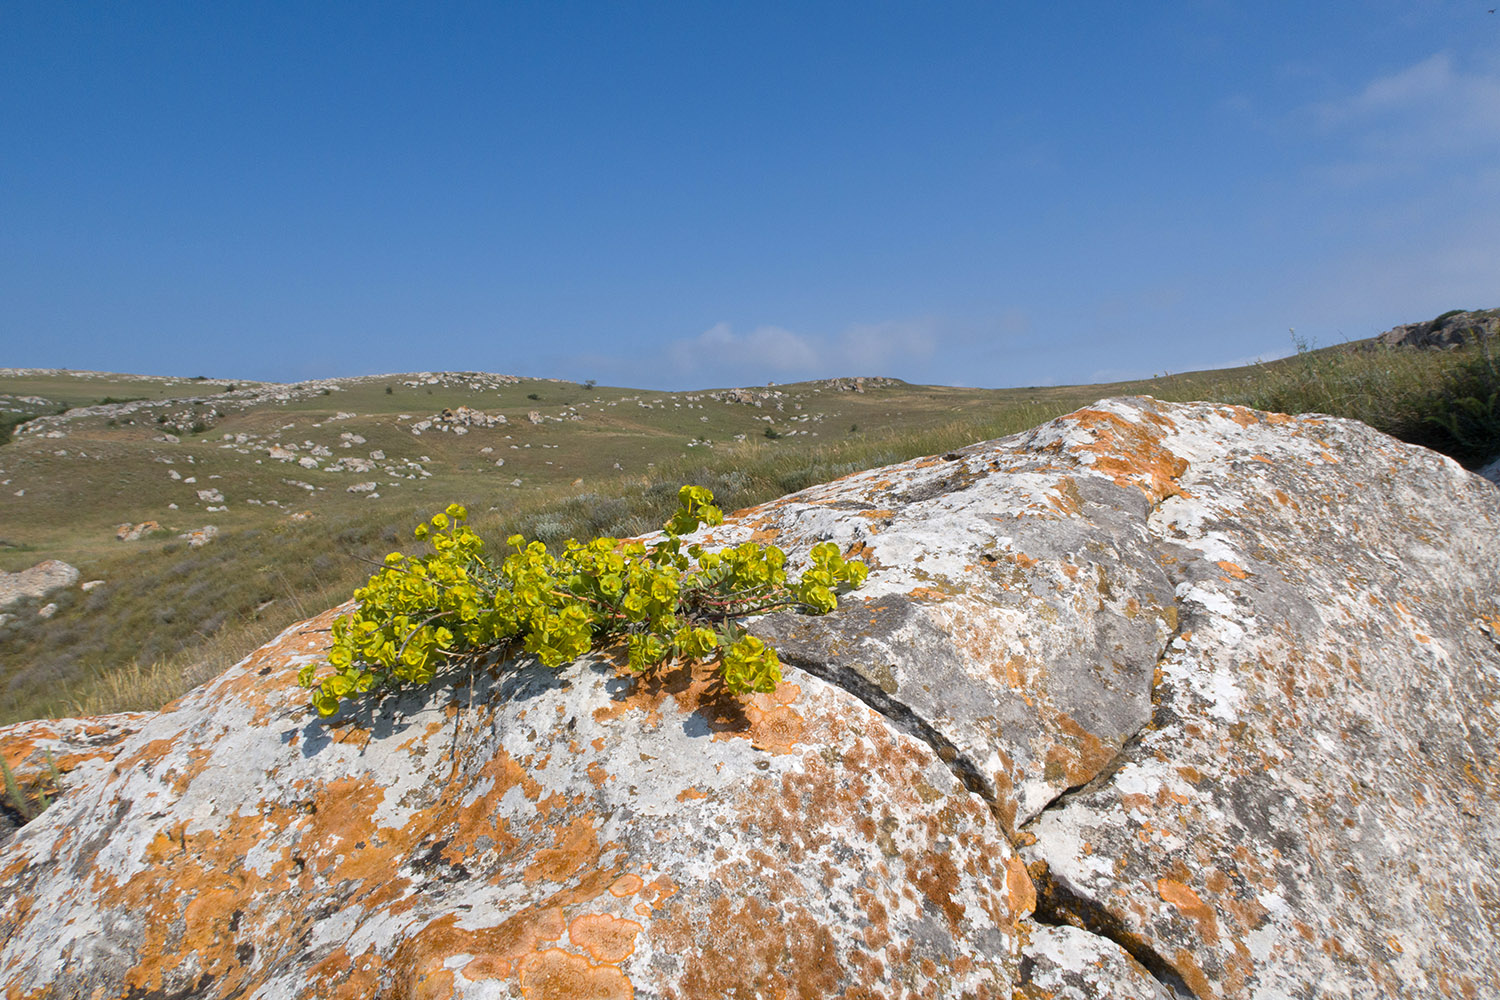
{"type": "Point", "coordinates": [904, 718]}
{"type": "Point", "coordinates": [1059, 905]}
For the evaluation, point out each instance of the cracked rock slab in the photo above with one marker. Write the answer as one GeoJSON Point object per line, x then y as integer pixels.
{"type": "Point", "coordinates": [1312, 810]}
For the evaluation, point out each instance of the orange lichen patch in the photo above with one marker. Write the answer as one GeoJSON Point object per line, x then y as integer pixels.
{"type": "Point", "coordinates": [746, 948]}
{"type": "Point", "coordinates": [688, 794]}
{"type": "Point", "coordinates": [1192, 906]}
{"type": "Point", "coordinates": [1020, 891]}
{"type": "Point", "coordinates": [555, 974]}
{"type": "Point", "coordinates": [937, 878]}
{"type": "Point", "coordinates": [877, 515]}
{"type": "Point", "coordinates": [1015, 673]}
{"type": "Point", "coordinates": [188, 903]}
{"type": "Point", "coordinates": [928, 594]}
{"type": "Point", "coordinates": [1024, 561]}
{"type": "Point", "coordinates": [597, 774]}
{"type": "Point", "coordinates": [1233, 570]}
{"type": "Point", "coordinates": [1077, 756]}
{"type": "Point", "coordinates": [1132, 454]}
{"type": "Point", "coordinates": [577, 846]}
{"type": "Point", "coordinates": [1192, 973]}
{"type": "Point", "coordinates": [497, 950]}
{"type": "Point", "coordinates": [1239, 414]}
{"type": "Point", "coordinates": [626, 885]}
{"type": "Point", "coordinates": [339, 977]}
{"type": "Point", "coordinates": [658, 892]}
{"type": "Point", "coordinates": [693, 686]}
{"type": "Point", "coordinates": [1068, 500]}
{"type": "Point", "coordinates": [605, 937]}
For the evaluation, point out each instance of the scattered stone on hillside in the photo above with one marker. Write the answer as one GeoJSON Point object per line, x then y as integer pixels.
{"type": "Point", "coordinates": [46, 611]}
{"type": "Point", "coordinates": [211, 495]}
{"type": "Point", "coordinates": [534, 416]}
{"type": "Point", "coordinates": [36, 583]}
{"type": "Point", "coordinates": [302, 515]}
{"type": "Point", "coordinates": [1153, 701]}
{"type": "Point", "coordinates": [199, 537]}
{"type": "Point", "coordinates": [90, 585]}
{"type": "Point", "coordinates": [282, 453]}
{"type": "Point", "coordinates": [307, 462]}
{"type": "Point", "coordinates": [133, 532]}
{"type": "Point", "coordinates": [365, 487]}
{"type": "Point", "coordinates": [1447, 331]}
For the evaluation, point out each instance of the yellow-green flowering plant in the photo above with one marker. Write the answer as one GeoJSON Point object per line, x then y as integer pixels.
{"type": "Point", "coordinates": [417, 614]}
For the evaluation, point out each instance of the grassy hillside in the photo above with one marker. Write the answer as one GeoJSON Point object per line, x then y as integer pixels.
{"type": "Point", "coordinates": [308, 484]}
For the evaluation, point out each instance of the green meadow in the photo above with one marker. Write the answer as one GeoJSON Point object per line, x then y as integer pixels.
{"type": "Point", "coordinates": [308, 485]}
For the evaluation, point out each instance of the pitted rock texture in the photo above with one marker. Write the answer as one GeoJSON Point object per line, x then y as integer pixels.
{"type": "Point", "coordinates": [1153, 701]}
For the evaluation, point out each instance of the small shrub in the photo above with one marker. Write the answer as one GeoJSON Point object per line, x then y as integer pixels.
{"type": "Point", "coordinates": [417, 614]}
{"type": "Point", "coordinates": [532, 395]}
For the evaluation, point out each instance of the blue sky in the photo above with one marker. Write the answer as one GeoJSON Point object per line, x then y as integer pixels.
{"type": "Point", "coordinates": [679, 195]}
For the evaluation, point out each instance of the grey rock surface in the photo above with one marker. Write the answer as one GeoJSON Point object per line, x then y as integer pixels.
{"type": "Point", "coordinates": [1448, 330]}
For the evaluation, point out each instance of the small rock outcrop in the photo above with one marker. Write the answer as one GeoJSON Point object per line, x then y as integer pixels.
{"type": "Point", "coordinates": [134, 532]}
{"type": "Point", "coordinates": [36, 582]}
{"type": "Point", "coordinates": [1153, 701]}
{"type": "Point", "coordinates": [1451, 329]}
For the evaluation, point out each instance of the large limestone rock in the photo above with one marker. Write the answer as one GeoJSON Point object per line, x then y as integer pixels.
{"type": "Point", "coordinates": [1153, 701]}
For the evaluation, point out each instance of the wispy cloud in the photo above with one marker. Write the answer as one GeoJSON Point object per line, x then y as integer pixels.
{"type": "Point", "coordinates": [1431, 111]}
{"type": "Point", "coordinates": [765, 348]}
{"type": "Point", "coordinates": [721, 355]}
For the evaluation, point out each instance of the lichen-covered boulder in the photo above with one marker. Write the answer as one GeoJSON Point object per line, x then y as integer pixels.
{"type": "Point", "coordinates": [1153, 701]}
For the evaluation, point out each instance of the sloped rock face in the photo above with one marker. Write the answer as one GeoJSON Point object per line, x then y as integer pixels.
{"type": "Point", "coordinates": [1447, 331]}
{"type": "Point", "coordinates": [1153, 701]}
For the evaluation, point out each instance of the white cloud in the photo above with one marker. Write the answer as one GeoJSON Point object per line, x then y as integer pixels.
{"type": "Point", "coordinates": [1427, 112]}
{"type": "Point", "coordinates": [725, 357]}
{"type": "Point", "coordinates": [765, 348]}
{"type": "Point", "coordinates": [880, 348]}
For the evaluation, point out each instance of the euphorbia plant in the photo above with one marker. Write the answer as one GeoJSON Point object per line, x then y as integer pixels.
{"type": "Point", "coordinates": [415, 614]}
